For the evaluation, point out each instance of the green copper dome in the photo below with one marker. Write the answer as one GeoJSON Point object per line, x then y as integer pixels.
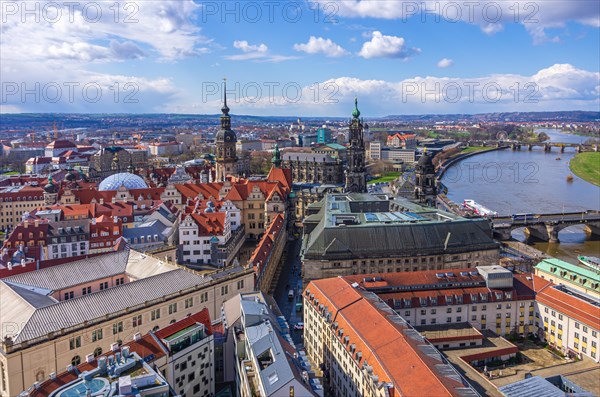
{"type": "Point", "coordinates": [356, 112]}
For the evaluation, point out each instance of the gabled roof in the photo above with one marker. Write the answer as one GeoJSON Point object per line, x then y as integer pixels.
{"type": "Point", "coordinates": [281, 175]}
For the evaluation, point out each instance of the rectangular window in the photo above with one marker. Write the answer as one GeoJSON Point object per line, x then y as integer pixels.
{"type": "Point", "coordinates": [75, 342]}
{"type": "Point", "coordinates": [204, 297]}
{"type": "Point", "coordinates": [173, 308]}
{"type": "Point", "coordinates": [69, 295]}
{"type": "Point", "coordinates": [86, 290]}
{"type": "Point", "coordinates": [224, 290]}
{"type": "Point", "coordinates": [240, 284]}
{"type": "Point", "coordinates": [117, 327]}
{"type": "Point", "coordinates": [137, 321]}
{"type": "Point", "coordinates": [189, 302]}
{"type": "Point", "coordinates": [155, 314]}
{"type": "Point", "coordinates": [97, 335]}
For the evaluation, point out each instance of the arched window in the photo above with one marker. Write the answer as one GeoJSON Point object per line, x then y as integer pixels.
{"type": "Point", "coordinates": [76, 360]}
{"type": "Point", "coordinates": [97, 351]}
{"type": "Point", "coordinates": [119, 342]}
{"type": "Point", "coordinates": [172, 321]}
{"type": "Point", "coordinates": [156, 328]}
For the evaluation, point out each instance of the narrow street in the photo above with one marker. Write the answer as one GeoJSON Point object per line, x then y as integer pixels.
{"type": "Point", "coordinates": [290, 279]}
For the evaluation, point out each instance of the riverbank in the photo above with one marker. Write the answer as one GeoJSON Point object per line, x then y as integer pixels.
{"type": "Point", "coordinates": [461, 156]}
{"type": "Point", "coordinates": [587, 167]}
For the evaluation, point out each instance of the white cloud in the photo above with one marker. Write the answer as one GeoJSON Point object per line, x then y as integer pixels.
{"type": "Point", "coordinates": [382, 46]}
{"type": "Point", "coordinates": [258, 53]}
{"type": "Point", "coordinates": [319, 45]}
{"type": "Point", "coordinates": [445, 63]}
{"type": "Point", "coordinates": [93, 31]}
{"type": "Point", "coordinates": [558, 87]}
{"type": "Point", "coordinates": [489, 15]}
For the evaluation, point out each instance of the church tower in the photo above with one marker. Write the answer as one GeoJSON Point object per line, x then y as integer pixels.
{"type": "Point", "coordinates": [276, 159]}
{"type": "Point", "coordinates": [356, 175]}
{"type": "Point", "coordinates": [226, 143]}
{"type": "Point", "coordinates": [425, 180]}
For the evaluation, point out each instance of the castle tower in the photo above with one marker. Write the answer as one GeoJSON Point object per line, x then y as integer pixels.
{"type": "Point", "coordinates": [226, 143]}
{"type": "Point", "coordinates": [425, 180]}
{"type": "Point", "coordinates": [356, 175]}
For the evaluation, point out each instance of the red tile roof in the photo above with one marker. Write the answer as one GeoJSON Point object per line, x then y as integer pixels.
{"type": "Point", "coordinates": [201, 317]}
{"type": "Point", "coordinates": [394, 357]}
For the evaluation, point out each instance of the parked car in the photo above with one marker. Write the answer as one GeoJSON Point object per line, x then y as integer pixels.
{"type": "Point", "coordinates": [299, 326]}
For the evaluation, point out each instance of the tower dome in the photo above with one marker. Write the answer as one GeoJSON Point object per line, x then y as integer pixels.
{"type": "Point", "coordinates": [50, 187]}
{"type": "Point", "coordinates": [126, 179]}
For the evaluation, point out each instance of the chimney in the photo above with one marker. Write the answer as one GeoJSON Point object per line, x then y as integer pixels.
{"type": "Point", "coordinates": [137, 337]}
{"type": "Point", "coordinates": [53, 375]}
{"type": "Point", "coordinates": [114, 346]}
{"type": "Point", "coordinates": [89, 358]}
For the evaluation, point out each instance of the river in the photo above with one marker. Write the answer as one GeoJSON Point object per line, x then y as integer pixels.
{"type": "Point", "coordinates": [524, 181]}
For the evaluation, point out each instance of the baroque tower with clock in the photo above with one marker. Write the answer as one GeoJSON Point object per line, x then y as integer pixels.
{"type": "Point", "coordinates": [226, 143]}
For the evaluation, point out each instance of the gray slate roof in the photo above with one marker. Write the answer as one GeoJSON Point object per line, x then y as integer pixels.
{"type": "Point", "coordinates": [309, 157]}
{"type": "Point", "coordinates": [534, 386]}
{"type": "Point", "coordinates": [72, 312]}
{"type": "Point", "coordinates": [38, 314]}
{"type": "Point", "coordinates": [82, 271]}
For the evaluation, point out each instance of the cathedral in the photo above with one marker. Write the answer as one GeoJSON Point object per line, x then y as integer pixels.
{"type": "Point", "coordinates": [356, 173]}
{"type": "Point", "coordinates": [226, 144]}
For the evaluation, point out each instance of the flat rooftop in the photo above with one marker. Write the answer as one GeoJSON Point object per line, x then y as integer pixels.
{"type": "Point", "coordinates": [442, 332]}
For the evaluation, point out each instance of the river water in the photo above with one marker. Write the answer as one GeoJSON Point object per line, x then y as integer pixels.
{"type": "Point", "coordinates": [524, 181]}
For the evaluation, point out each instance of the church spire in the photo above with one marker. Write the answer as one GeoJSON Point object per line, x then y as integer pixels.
{"type": "Point", "coordinates": [356, 112]}
{"type": "Point", "coordinates": [225, 108]}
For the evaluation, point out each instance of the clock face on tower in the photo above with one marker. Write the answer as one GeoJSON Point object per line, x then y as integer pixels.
{"type": "Point", "coordinates": [227, 138]}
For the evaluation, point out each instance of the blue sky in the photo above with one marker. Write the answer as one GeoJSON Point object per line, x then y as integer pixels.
{"type": "Point", "coordinates": [398, 57]}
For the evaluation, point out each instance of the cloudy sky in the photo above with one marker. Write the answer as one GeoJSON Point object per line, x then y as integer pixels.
{"type": "Point", "coordinates": [300, 58]}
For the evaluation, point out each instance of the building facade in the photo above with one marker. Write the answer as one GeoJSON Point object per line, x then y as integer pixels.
{"type": "Point", "coordinates": [53, 333]}
{"type": "Point", "coordinates": [367, 350]}
{"type": "Point", "coordinates": [347, 234]}
{"type": "Point", "coordinates": [314, 168]}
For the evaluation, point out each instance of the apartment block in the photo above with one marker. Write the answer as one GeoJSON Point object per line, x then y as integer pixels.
{"type": "Point", "coordinates": [55, 316]}
{"type": "Point", "coordinates": [366, 349]}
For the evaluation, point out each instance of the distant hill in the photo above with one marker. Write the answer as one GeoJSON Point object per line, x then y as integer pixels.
{"type": "Point", "coordinates": [563, 116]}
{"type": "Point", "coordinates": [44, 121]}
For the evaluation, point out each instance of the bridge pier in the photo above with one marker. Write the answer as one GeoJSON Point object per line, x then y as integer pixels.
{"type": "Point", "coordinates": [529, 147]}
{"type": "Point", "coordinates": [502, 234]}
{"type": "Point", "coordinates": [547, 148]}
{"type": "Point", "coordinates": [537, 231]}
{"type": "Point", "coordinates": [596, 148]}
{"type": "Point", "coordinates": [552, 233]}
{"type": "Point", "coordinates": [579, 148]}
{"type": "Point", "coordinates": [593, 228]}
{"type": "Point", "coordinates": [562, 149]}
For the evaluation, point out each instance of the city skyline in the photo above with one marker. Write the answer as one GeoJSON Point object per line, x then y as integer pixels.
{"type": "Point", "coordinates": [306, 59]}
